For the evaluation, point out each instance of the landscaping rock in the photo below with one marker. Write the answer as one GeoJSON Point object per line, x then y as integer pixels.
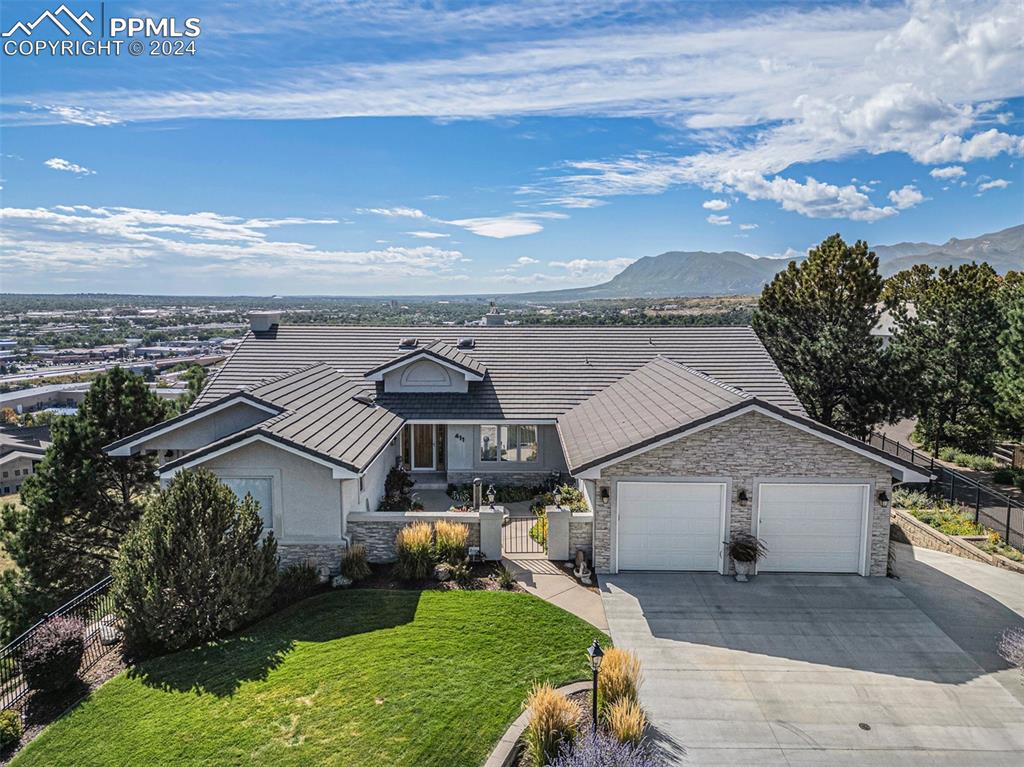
{"type": "Point", "coordinates": [340, 582]}
{"type": "Point", "coordinates": [442, 573]}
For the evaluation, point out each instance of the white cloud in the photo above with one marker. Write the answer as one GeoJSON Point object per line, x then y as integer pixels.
{"type": "Point", "coordinates": [906, 197]}
{"type": "Point", "coordinates": [813, 198]}
{"type": "Point", "coordinates": [497, 227]}
{"type": "Point", "coordinates": [58, 163]}
{"type": "Point", "coordinates": [80, 239]}
{"type": "Point", "coordinates": [526, 261]}
{"type": "Point", "coordinates": [718, 220]}
{"type": "Point", "coordinates": [715, 204]}
{"type": "Point", "coordinates": [996, 183]}
{"type": "Point", "coordinates": [586, 268]}
{"type": "Point", "coordinates": [428, 235]}
{"type": "Point", "coordinates": [77, 115]}
{"type": "Point", "coordinates": [951, 171]}
{"type": "Point", "coordinates": [574, 202]}
{"type": "Point", "coordinates": [399, 212]}
{"type": "Point", "coordinates": [748, 227]}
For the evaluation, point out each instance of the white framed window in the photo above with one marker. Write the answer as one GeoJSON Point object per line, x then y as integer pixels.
{"type": "Point", "coordinates": [513, 444]}
{"type": "Point", "coordinates": [262, 491]}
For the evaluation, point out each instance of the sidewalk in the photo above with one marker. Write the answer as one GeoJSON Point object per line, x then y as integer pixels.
{"type": "Point", "coordinates": [550, 582]}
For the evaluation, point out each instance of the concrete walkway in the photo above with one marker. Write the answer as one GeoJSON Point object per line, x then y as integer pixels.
{"type": "Point", "coordinates": [825, 670]}
{"type": "Point", "coordinates": [552, 583]}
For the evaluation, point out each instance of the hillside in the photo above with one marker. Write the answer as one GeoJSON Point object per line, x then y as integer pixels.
{"type": "Point", "coordinates": [700, 273]}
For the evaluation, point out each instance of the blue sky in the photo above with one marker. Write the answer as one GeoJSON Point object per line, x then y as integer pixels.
{"type": "Point", "coordinates": [386, 147]}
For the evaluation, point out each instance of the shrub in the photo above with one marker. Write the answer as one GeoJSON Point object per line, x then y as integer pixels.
{"type": "Point", "coordinates": [10, 728]}
{"type": "Point", "coordinates": [603, 750]}
{"type": "Point", "coordinates": [415, 552]}
{"type": "Point", "coordinates": [539, 530]}
{"type": "Point", "coordinates": [1004, 476]}
{"type": "Point", "coordinates": [619, 679]}
{"type": "Point", "coordinates": [911, 500]}
{"type": "Point", "coordinates": [452, 541]}
{"type": "Point", "coordinates": [195, 567]}
{"type": "Point", "coordinates": [354, 564]}
{"type": "Point", "coordinates": [554, 724]}
{"type": "Point", "coordinates": [51, 662]}
{"type": "Point", "coordinates": [977, 462]}
{"type": "Point", "coordinates": [949, 521]}
{"type": "Point", "coordinates": [294, 584]}
{"type": "Point", "coordinates": [948, 453]}
{"type": "Point", "coordinates": [744, 547]}
{"type": "Point", "coordinates": [572, 499]}
{"type": "Point", "coordinates": [462, 573]}
{"type": "Point", "coordinates": [626, 720]}
{"type": "Point", "coordinates": [505, 577]}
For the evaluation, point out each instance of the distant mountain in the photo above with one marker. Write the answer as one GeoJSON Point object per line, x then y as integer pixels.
{"type": "Point", "coordinates": [699, 273]}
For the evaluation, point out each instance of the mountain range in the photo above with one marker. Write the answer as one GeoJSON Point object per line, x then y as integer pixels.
{"type": "Point", "coordinates": [700, 273]}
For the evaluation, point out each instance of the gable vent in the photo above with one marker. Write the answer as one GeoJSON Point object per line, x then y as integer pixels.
{"type": "Point", "coordinates": [467, 343]}
{"type": "Point", "coordinates": [408, 343]}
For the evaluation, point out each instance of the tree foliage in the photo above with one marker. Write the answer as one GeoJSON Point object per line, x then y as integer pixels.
{"type": "Point", "coordinates": [79, 502]}
{"type": "Point", "coordinates": [1009, 381]}
{"type": "Point", "coordinates": [947, 350]}
{"type": "Point", "coordinates": [195, 567]}
{"type": "Point", "coordinates": [815, 318]}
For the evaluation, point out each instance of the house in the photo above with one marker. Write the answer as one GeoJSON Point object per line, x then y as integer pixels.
{"type": "Point", "coordinates": [678, 436]}
{"type": "Point", "coordinates": [20, 451]}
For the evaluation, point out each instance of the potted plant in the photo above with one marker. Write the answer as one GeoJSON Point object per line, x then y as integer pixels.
{"type": "Point", "coordinates": [745, 549]}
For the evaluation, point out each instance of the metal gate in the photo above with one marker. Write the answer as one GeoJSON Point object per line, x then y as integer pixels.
{"type": "Point", "coordinates": [524, 533]}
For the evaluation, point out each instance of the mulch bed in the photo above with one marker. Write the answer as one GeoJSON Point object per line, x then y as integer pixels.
{"type": "Point", "coordinates": [39, 710]}
{"type": "Point", "coordinates": [383, 577]}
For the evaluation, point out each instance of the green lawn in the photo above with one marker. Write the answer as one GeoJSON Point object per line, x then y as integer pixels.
{"type": "Point", "coordinates": [346, 678]}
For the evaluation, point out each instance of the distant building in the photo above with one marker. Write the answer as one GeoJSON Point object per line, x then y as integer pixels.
{"type": "Point", "coordinates": [21, 450]}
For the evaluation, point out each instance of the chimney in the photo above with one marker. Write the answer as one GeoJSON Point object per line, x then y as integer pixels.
{"type": "Point", "coordinates": [262, 321]}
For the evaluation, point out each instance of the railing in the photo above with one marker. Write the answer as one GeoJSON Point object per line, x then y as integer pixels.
{"type": "Point", "coordinates": [94, 607]}
{"type": "Point", "coordinates": [991, 508]}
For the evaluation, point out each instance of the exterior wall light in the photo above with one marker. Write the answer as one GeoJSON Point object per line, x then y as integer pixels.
{"type": "Point", "coordinates": [883, 498]}
{"type": "Point", "coordinates": [741, 495]}
{"type": "Point", "coordinates": [604, 494]}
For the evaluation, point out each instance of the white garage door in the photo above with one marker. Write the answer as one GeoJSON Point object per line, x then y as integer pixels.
{"type": "Point", "coordinates": [670, 525]}
{"type": "Point", "coordinates": [815, 528]}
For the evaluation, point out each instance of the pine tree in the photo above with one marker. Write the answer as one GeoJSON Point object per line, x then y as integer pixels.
{"type": "Point", "coordinates": [1009, 381]}
{"type": "Point", "coordinates": [815, 319]}
{"type": "Point", "coordinates": [948, 353]}
{"type": "Point", "coordinates": [195, 567]}
{"type": "Point", "coordinates": [79, 501]}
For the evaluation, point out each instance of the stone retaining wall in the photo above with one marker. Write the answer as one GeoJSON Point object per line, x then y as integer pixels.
{"type": "Point", "coordinates": [377, 529]}
{"type": "Point", "coordinates": [927, 537]}
{"type": "Point", "coordinates": [499, 478]}
{"type": "Point", "coordinates": [581, 535]}
{"type": "Point", "coordinates": [319, 554]}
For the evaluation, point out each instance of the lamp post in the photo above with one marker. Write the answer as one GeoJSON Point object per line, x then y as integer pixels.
{"type": "Point", "coordinates": [595, 655]}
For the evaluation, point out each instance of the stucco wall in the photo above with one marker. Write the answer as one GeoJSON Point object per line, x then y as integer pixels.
{"type": "Point", "coordinates": [307, 500]}
{"type": "Point", "coordinates": [373, 480]}
{"type": "Point", "coordinates": [208, 429]}
{"type": "Point", "coordinates": [464, 458]}
{"type": "Point", "coordinates": [748, 449]}
{"type": "Point", "coordinates": [11, 481]}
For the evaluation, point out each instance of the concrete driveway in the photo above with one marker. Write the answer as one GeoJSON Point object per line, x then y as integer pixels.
{"type": "Point", "coordinates": [813, 670]}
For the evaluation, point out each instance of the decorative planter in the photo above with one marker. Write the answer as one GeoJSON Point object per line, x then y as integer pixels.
{"type": "Point", "coordinates": [743, 569]}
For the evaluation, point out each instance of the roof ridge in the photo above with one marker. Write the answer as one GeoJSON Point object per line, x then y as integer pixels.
{"type": "Point", "coordinates": [283, 376]}
{"type": "Point", "coordinates": [709, 378]}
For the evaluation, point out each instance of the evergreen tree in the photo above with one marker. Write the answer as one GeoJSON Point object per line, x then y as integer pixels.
{"type": "Point", "coordinates": [195, 567]}
{"type": "Point", "coordinates": [1009, 380]}
{"type": "Point", "coordinates": [79, 501]}
{"type": "Point", "coordinates": [947, 349]}
{"type": "Point", "coordinates": [815, 318]}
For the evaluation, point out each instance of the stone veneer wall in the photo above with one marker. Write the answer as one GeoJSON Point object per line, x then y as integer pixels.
{"type": "Point", "coordinates": [320, 554]}
{"type": "Point", "coordinates": [377, 530]}
{"type": "Point", "coordinates": [748, 449]}
{"type": "Point", "coordinates": [581, 535]}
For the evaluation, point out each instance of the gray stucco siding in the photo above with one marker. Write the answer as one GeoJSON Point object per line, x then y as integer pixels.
{"type": "Point", "coordinates": [744, 452]}
{"type": "Point", "coordinates": [208, 428]}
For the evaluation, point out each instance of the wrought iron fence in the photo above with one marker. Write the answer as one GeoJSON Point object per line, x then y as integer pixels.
{"type": "Point", "coordinates": [94, 607]}
{"type": "Point", "coordinates": [991, 508]}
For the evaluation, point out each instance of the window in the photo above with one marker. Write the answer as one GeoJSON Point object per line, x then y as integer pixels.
{"type": "Point", "coordinates": [261, 490]}
{"type": "Point", "coordinates": [5, 475]}
{"type": "Point", "coordinates": [508, 443]}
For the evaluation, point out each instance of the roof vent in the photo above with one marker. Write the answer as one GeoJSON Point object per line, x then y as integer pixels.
{"type": "Point", "coordinates": [407, 343]}
{"type": "Point", "coordinates": [365, 399]}
{"type": "Point", "coordinates": [261, 322]}
{"type": "Point", "coordinates": [467, 343]}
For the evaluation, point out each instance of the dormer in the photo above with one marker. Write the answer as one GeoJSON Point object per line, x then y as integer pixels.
{"type": "Point", "coordinates": [431, 368]}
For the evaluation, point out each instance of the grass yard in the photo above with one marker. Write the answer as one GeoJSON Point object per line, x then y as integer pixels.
{"type": "Point", "coordinates": [346, 678]}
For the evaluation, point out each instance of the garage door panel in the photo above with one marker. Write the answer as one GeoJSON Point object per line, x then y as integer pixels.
{"type": "Point", "coordinates": [669, 525]}
{"type": "Point", "coordinates": [812, 527]}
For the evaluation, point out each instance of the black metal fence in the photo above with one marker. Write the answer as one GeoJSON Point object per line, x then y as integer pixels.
{"type": "Point", "coordinates": [991, 508]}
{"type": "Point", "coordinates": [523, 533]}
{"type": "Point", "coordinates": [94, 607]}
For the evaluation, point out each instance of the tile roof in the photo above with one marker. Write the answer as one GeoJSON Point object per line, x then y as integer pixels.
{"type": "Point", "coordinates": [441, 350]}
{"type": "Point", "coordinates": [652, 402]}
{"type": "Point", "coordinates": [533, 373]}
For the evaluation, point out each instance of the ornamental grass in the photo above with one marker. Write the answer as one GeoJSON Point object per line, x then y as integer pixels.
{"type": "Point", "coordinates": [414, 545]}
{"type": "Point", "coordinates": [619, 679]}
{"type": "Point", "coordinates": [554, 724]}
{"type": "Point", "coordinates": [626, 720]}
{"type": "Point", "coordinates": [452, 541]}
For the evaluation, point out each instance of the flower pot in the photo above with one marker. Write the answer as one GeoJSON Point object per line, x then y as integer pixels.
{"type": "Point", "coordinates": [743, 569]}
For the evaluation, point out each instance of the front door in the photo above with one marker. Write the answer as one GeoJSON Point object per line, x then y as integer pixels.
{"type": "Point", "coordinates": [423, 446]}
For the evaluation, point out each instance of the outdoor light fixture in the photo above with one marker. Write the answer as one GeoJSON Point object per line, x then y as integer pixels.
{"type": "Point", "coordinates": [604, 494]}
{"type": "Point", "coordinates": [595, 655]}
{"type": "Point", "coordinates": [491, 495]}
{"type": "Point", "coordinates": [741, 495]}
{"type": "Point", "coordinates": [883, 499]}
{"type": "Point", "coordinates": [558, 497]}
